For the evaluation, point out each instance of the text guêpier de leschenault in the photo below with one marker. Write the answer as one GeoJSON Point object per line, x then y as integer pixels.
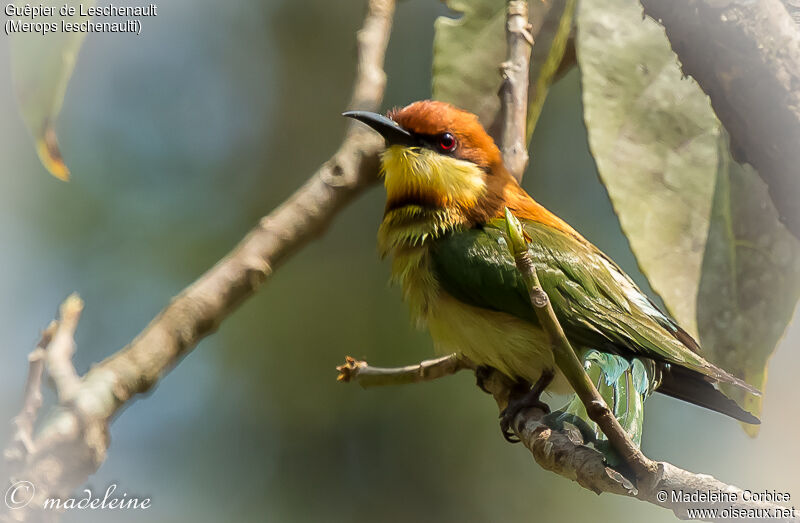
{"type": "Point", "coordinates": [76, 18]}
{"type": "Point", "coordinates": [35, 11]}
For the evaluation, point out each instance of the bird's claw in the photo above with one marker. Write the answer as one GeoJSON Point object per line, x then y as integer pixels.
{"type": "Point", "coordinates": [515, 406]}
{"type": "Point", "coordinates": [523, 396]}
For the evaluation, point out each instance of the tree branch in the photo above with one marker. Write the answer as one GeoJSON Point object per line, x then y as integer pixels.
{"type": "Point", "coordinates": [368, 376]}
{"type": "Point", "coordinates": [514, 89]}
{"type": "Point", "coordinates": [746, 57]}
{"type": "Point", "coordinates": [74, 438]}
{"type": "Point", "coordinates": [565, 453]}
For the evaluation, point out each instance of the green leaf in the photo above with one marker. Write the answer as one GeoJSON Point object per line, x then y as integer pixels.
{"type": "Point", "coordinates": [729, 274]}
{"type": "Point", "coordinates": [653, 135]}
{"type": "Point", "coordinates": [468, 52]}
{"type": "Point", "coordinates": [516, 236]}
{"type": "Point", "coordinates": [750, 281]}
{"type": "Point", "coordinates": [41, 67]}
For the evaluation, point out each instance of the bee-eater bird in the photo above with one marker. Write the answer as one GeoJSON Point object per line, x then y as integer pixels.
{"type": "Point", "coordinates": [444, 227]}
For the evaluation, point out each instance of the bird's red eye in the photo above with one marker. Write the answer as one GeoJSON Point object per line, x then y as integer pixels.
{"type": "Point", "coordinates": [447, 142]}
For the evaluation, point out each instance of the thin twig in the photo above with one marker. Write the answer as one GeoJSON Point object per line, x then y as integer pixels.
{"type": "Point", "coordinates": [22, 443]}
{"type": "Point", "coordinates": [364, 374]}
{"type": "Point", "coordinates": [514, 90]}
{"type": "Point", "coordinates": [62, 347]}
{"type": "Point", "coordinates": [566, 359]}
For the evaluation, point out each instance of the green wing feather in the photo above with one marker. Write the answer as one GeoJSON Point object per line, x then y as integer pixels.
{"type": "Point", "coordinates": [597, 304]}
{"type": "Point", "coordinates": [624, 385]}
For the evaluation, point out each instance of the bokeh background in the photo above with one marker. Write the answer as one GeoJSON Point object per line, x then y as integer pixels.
{"type": "Point", "coordinates": [179, 140]}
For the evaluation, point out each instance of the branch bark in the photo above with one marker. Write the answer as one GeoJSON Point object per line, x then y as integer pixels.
{"type": "Point", "coordinates": [368, 376]}
{"type": "Point", "coordinates": [74, 438]}
{"type": "Point", "coordinates": [514, 89]}
{"type": "Point", "coordinates": [565, 453]}
{"type": "Point", "coordinates": [746, 57]}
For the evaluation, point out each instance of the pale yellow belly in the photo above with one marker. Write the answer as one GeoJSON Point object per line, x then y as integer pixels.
{"type": "Point", "coordinates": [514, 347]}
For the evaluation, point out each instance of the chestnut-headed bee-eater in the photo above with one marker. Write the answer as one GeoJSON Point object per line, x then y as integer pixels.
{"type": "Point", "coordinates": [444, 227]}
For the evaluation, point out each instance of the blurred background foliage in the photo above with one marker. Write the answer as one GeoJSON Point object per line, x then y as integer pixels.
{"type": "Point", "coordinates": [178, 141]}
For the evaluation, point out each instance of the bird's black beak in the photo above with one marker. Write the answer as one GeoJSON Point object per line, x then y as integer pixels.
{"type": "Point", "coordinates": [393, 133]}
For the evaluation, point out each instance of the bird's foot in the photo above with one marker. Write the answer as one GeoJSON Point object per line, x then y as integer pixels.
{"type": "Point", "coordinates": [515, 406]}
{"type": "Point", "coordinates": [523, 397]}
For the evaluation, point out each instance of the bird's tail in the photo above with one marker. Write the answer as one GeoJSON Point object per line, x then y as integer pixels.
{"type": "Point", "coordinates": [688, 385]}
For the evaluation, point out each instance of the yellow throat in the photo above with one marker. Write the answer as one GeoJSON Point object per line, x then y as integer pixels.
{"type": "Point", "coordinates": [427, 194]}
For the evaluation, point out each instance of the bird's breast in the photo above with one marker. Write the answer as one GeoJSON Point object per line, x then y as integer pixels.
{"type": "Point", "coordinates": [511, 345]}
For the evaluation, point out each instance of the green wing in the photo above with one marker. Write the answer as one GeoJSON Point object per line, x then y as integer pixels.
{"type": "Point", "coordinates": [596, 302]}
